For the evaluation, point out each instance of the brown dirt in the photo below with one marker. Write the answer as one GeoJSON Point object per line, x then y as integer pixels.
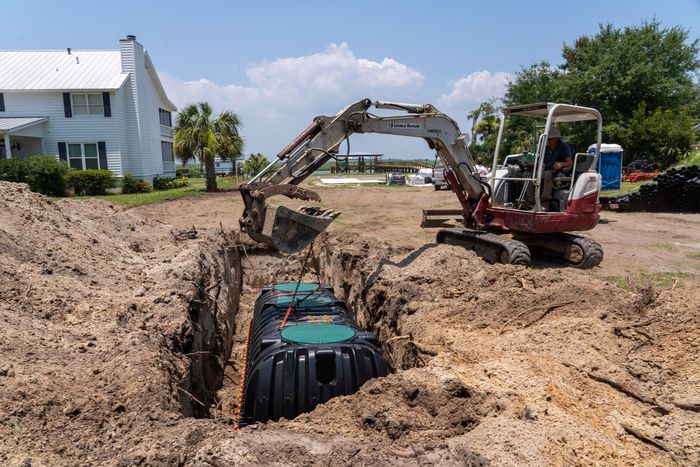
{"type": "Point", "coordinates": [637, 245]}
{"type": "Point", "coordinates": [116, 336]}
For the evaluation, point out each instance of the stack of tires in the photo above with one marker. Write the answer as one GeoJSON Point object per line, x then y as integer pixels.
{"type": "Point", "coordinates": [676, 190]}
{"type": "Point", "coordinates": [319, 353]}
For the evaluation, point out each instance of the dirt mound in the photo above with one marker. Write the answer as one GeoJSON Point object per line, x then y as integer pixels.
{"type": "Point", "coordinates": [97, 321]}
{"type": "Point", "coordinates": [581, 371]}
{"type": "Point", "coordinates": [116, 339]}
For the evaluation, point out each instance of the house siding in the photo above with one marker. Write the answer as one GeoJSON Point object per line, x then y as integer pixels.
{"type": "Point", "coordinates": [132, 134]}
{"type": "Point", "coordinates": [142, 135]}
{"type": "Point", "coordinates": [77, 129]}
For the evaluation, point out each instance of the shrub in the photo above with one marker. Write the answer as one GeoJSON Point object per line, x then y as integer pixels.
{"type": "Point", "coordinates": [13, 170]}
{"type": "Point", "coordinates": [180, 182]}
{"type": "Point", "coordinates": [90, 182]}
{"type": "Point", "coordinates": [188, 171]}
{"type": "Point", "coordinates": [662, 135]}
{"type": "Point", "coordinates": [169, 183]}
{"type": "Point", "coordinates": [162, 183]}
{"type": "Point", "coordinates": [132, 184]}
{"type": "Point", "coordinates": [47, 175]}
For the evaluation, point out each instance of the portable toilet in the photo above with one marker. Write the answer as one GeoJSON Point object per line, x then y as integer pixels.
{"type": "Point", "coordinates": [609, 165]}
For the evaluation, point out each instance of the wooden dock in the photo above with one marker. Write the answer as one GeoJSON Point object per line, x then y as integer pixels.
{"type": "Point", "coordinates": [373, 163]}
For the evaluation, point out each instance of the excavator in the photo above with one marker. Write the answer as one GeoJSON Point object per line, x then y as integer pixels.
{"type": "Point", "coordinates": [501, 217]}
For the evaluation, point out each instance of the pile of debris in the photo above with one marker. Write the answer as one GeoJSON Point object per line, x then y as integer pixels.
{"type": "Point", "coordinates": [676, 190]}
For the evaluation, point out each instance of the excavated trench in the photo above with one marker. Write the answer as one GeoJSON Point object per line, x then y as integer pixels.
{"type": "Point", "coordinates": [228, 283]}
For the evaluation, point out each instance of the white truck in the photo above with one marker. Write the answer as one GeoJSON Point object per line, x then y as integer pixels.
{"type": "Point", "coordinates": [439, 180]}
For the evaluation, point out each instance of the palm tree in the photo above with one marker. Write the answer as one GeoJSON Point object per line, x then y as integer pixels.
{"type": "Point", "coordinates": [197, 135]}
{"type": "Point", "coordinates": [254, 164]}
{"type": "Point", "coordinates": [486, 127]}
{"type": "Point", "coordinates": [484, 110]}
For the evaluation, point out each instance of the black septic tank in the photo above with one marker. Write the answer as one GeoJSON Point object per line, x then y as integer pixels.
{"type": "Point", "coordinates": [317, 353]}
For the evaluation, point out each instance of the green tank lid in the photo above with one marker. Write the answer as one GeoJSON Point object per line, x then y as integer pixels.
{"type": "Point", "coordinates": [292, 286]}
{"type": "Point", "coordinates": [317, 333]}
{"type": "Point", "coordinates": [304, 301]}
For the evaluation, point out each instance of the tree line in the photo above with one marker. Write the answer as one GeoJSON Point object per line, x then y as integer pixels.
{"type": "Point", "coordinates": [643, 79]}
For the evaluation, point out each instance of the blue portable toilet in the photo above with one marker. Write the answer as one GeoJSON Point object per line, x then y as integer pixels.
{"type": "Point", "coordinates": [609, 165]}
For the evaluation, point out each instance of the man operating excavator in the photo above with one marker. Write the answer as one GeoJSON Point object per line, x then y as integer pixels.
{"type": "Point", "coordinates": [557, 157]}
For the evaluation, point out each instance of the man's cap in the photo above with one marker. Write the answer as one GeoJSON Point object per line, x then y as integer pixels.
{"type": "Point", "coordinates": [554, 133]}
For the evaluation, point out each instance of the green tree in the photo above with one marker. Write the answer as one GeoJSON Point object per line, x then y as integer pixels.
{"type": "Point", "coordinates": [617, 71]}
{"type": "Point", "coordinates": [662, 135]}
{"type": "Point", "coordinates": [487, 127]}
{"type": "Point", "coordinates": [540, 82]}
{"type": "Point", "coordinates": [485, 122]}
{"type": "Point", "coordinates": [198, 135]}
{"type": "Point", "coordinates": [485, 109]}
{"type": "Point", "coordinates": [254, 164]}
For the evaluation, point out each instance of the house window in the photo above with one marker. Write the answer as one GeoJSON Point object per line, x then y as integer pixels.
{"type": "Point", "coordinates": [165, 117]}
{"type": "Point", "coordinates": [83, 156]}
{"type": "Point", "coordinates": [166, 149]}
{"type": "Point", "coordinates": [87, 104]}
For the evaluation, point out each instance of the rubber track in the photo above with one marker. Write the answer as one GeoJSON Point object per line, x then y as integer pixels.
{"type": "Point", "coordinates": [491, 247]}
{"type": "Point", "coordinates": [592, 250]}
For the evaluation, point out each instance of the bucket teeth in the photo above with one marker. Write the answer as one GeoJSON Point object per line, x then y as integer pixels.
{"type": "Point", "coordinates": [319, 212]}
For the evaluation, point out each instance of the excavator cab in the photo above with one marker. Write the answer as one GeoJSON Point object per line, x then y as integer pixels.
{"type": "Point", "coordinates": [521, 186]}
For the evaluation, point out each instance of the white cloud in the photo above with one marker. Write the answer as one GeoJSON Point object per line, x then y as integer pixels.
{"type": "Point", "coordinates": [475, 88]}
{"type": "Point", "coordinates": [334, 71]}
{"type": "Point", "coordinates": [284, 91]}
{"type": "Point", "coordinates": [291, 84]}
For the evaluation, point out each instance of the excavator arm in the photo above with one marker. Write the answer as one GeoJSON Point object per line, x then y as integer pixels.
{"type": "Point", "coordinates": [289, 230]}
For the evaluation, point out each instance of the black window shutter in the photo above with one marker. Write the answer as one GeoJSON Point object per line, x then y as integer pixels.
{"type": "Point", "coordinates": [106, 105]}
{"type": "Point", "coordinates": [2, 103]}
{"type": "Point", "coordinates": [67, 110]}
{"type": "Point", "coordinates": [62, 153]}
{"type": "Point", "coordinates": [102, 151]}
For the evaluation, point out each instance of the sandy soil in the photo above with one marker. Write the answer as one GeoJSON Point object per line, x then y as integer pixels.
{"type": "Point", "coordinates": [120, 343]}
{"type": "Point", "coordinates": [636, 245]}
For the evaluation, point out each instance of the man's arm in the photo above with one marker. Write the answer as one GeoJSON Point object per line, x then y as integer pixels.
{"type": "Point", "coordinates": [564, 160]}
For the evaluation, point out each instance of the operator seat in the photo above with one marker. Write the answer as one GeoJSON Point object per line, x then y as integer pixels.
{"type": "Point", "coordinates": [583, 164]}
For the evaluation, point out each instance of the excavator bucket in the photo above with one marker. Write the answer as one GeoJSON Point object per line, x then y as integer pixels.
{"type": "Point", "coordinates": [278, 226]}
{"type": "Point", "coordinates": [289, 231]}
{"type": "Point", "coordinates": [443, 218]}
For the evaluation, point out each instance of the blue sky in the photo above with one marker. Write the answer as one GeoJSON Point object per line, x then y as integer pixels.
{"type": "Point", "coordinates": [279, 64]}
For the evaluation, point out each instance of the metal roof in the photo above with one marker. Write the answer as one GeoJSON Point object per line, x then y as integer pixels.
{"type": "Point", "coordinates": [58, 70]}
{"type": "Point", "coordinates": [562, 112]}
{"type": "Point", "coordinates": [17, 123]}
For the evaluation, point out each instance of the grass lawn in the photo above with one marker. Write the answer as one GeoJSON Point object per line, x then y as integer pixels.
{"type": "Point", "coordinates": [660, 280]}
{"type": "Point", "coordinates": [625, 188]}
{"type": "Point", "coordinates": [196, 188]}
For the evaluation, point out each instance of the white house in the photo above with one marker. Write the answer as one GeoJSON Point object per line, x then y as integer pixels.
{"type": "Point", "coordinates": [93, 109]}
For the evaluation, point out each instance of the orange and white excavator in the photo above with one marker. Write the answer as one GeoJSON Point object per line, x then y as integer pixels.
{"type": "Point", "coordinates": [502, 219]}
